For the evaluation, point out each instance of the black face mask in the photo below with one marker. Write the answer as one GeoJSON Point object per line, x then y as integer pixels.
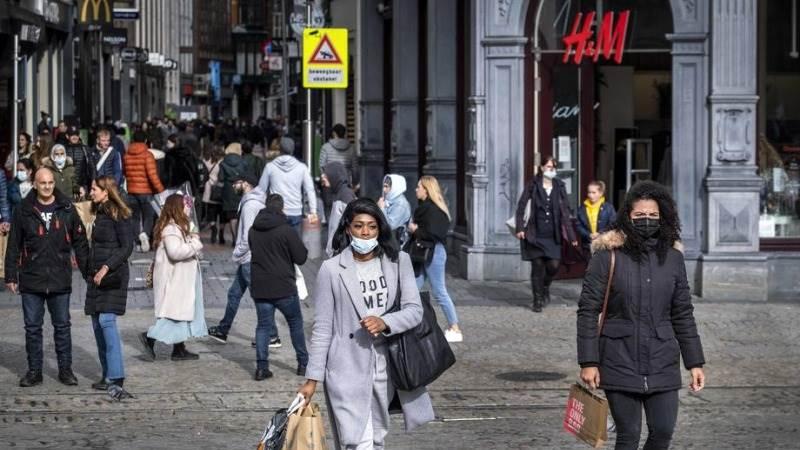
{"type": "Point", "coordinates": [646, 227]}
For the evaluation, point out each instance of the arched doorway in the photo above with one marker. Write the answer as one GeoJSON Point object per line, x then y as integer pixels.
{"type": "Point", "coordinates": [606, 116]}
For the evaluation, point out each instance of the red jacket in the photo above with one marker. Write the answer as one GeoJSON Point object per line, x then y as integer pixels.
{"type": "Point", "coordinates": [141, 171]}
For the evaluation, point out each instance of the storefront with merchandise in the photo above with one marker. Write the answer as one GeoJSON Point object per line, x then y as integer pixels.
{"type": "Point", "coordinates": [695, 95]}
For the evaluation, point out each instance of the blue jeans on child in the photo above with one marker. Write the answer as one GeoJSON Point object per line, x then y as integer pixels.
{"type": "Point", "coordinates": [109, 345]}
{"type": "Point", "coordinates": [435, 273]}
{"type": "Point", "coordinates": [290, 308]}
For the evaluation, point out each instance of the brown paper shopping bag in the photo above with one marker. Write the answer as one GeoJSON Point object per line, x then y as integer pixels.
{"type": "Point", "coordinates": [306, 430]}
{"type": "Point", "coordinates": [586, 416]}
{"type": "Point", "coordinates": [3, 245]}
{"type": "Point", "coordinates": [84, 210]}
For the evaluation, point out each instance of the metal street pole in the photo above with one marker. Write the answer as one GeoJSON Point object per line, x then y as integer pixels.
{"type": "Point", "coordinates": [308, 124]}
{"type": "Point", "coordinates": [102, 66]}
{"type": "Point", "coordinates": [15, 104]}
{"type": "Point", "coordinates": [285, 68]}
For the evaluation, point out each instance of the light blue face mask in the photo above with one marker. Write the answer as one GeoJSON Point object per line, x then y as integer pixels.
{"type": "Point", "coordinates": [363, 246]}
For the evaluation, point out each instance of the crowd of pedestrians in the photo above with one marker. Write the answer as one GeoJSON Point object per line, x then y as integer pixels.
{"type": "Point", "coordinates": [69, 205]}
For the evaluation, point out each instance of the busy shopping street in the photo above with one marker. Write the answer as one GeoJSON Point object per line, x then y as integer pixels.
{"type": "Point", "coordinates": [405, 224]}
{"type": "Point", "coordinates": [508, 388]}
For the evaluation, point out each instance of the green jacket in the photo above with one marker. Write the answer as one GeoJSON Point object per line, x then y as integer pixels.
{"type": "Point", "coordinates": [66, 182]}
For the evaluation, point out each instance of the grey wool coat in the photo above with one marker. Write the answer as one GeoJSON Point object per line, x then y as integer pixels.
{"type": "Point", "coordinates": [341, 352]}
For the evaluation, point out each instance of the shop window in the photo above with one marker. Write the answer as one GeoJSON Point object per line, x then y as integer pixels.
{"type": "Point", "coordinates": [779, 126]}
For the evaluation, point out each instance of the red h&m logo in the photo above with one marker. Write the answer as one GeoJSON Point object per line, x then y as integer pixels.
{"type": "Point", "coordinates": [610, 42]}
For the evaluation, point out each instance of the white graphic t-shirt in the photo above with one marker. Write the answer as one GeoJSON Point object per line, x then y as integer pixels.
{"type": "Point", "coordinates": [374, 288]}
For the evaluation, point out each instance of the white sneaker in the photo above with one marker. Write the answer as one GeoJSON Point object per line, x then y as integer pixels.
{"type": "Point", "coordinates": [145, 242]}
{"type": "Point", "coordinates": [453, 336]}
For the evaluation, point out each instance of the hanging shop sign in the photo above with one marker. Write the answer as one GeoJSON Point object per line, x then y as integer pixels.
{"type": "Point", "coordinates": [95, 13]}
{"type": "Point", "coordinates": [116, 37]}
{"type": "Point", "coordinates": [325, 58]}
{"type": "Point", "coordinates": [582, 41]}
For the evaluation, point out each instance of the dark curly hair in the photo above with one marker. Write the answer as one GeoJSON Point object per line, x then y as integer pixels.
{"type": "Point", "coordinates": [386, 242]}
{"type": "Point", "coordinates": [670, 224]}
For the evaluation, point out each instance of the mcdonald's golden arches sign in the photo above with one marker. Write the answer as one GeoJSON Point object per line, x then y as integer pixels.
{"type": "Point", "coordinates": [95, 12]}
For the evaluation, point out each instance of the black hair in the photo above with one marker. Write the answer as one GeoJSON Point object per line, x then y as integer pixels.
{"type": "Point", "coordinates": [670, 225]}
{"type": "Point", "coordinates": [340, 130]}
{"type": "Point", "coordinates": [247, 147]}
{"type": "Point", "coordinates": [27, 162]}
{"type": "Point", "coordinates": [386, 242]}
{"type": "Point", "coordinates": [548, 159]}
{"type": "Point", "coordinates": [139, 136]}
{"type": "Point", "coordinates": [173, 138]}
{"type": "Point", "coordinates": [274, 203]}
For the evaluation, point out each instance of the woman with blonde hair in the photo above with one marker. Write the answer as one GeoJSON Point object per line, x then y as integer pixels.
{"type": "Point", "coordinates": [107, 290]}
{"type": "Point", "coordinates": [177, 284]}
{"type": "Point", "coordinates": [429, 228]}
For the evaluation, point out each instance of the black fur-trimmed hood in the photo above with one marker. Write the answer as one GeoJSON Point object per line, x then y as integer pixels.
{"type": "Point", "coordinates": [614, 239]}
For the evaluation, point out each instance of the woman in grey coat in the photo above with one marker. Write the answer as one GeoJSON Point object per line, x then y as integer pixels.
{"type": "Point", "coordinates": [348, 350]}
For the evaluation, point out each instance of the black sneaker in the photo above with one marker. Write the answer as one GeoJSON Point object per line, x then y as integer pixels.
{"type": "Point", "coordinates": [66, 377]}
{"type": "Point", "coordinates": [273, 343]}
{"type": "Point", "coordinates": [301, 371]}
{"type": "Point", "coordinates": [149, 345]}
{"type": "Point", "coordinates": [262, 374]}
{"type": "Point", "coordinates": [101, 385]}
{"type": "Point", "coordinates": [217, 335]}
{"type": "Point", "coordinates": [31, 378]}
{"type": "Point", "coordinates": [179, 353]}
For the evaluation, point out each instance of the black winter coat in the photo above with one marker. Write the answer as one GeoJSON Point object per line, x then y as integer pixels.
{"type": "Point", "coordinates": [80, 155]}
{"type": "Point", "coordinates": [231, 167]}
{"type": "Point", "coordinates": [562, 213]}
{"type": "Point", "coordinates": [38, 258]}
{"type": "Point", "coordinates": [432, 222]}
{"type": "Point", "coordinates": [275, 248]}
{"type": "Point", "coordinates": [112, 245]}
{"type": "Point", "coordinates": [650, 322]}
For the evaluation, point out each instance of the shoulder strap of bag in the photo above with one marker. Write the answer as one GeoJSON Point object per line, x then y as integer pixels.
{"type": "Point", "coordinates": [608, 291]}
{"type": "Point", "coordinates": [103, 158]}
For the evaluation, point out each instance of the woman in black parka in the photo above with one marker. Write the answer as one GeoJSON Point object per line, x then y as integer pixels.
{"type": "Point", "coordinates": [541, 234]}
{"type": "Point", "coordinates": [107, 289]}
{"type": "Point", "coordinates": [649, 322]}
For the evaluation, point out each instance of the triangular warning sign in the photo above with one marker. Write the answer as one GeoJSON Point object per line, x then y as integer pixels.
{"type": "Point", "coordinates": [325, 53]}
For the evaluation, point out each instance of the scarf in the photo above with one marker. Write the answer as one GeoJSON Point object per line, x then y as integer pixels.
{"type": "Point", "coordinates": [593, 212]}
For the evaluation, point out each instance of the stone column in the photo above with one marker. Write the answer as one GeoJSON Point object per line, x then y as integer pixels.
{"type": "Point", "coordinates": [496, 140]}
{"type": "Point", "coordinates": [733, 269]}
{"type": "Point", "coordinates": [440, 104]}
{"type": "Point", "coordinates": [370, 76]}
{"type": "Point", "coordinates": [405, 89]}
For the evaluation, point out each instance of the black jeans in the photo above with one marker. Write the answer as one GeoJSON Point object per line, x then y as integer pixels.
{"type": "Point", "coordinates": [661, 410]}
{"type": "Point", "coordinates": [542, 272]}
{"type": "Point", "coordinates": [143, 214]}
{"type": "Point", "coordinates": [33, 313]}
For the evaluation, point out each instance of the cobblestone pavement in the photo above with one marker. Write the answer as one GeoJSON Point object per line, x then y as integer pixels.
{"type": "Point", "coordinates": [507, 390]}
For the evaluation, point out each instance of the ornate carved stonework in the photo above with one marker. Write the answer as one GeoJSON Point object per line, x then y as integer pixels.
{"type": "Point", "coordinates": [503, 9]}
{"type": "Point", "coordinates": [733, 127]}
{"type": "Point", "coordinates": [688, 7]}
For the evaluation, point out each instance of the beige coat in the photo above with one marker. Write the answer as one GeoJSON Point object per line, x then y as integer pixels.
{"type": "Point", "coordinates": [175, 274]}
{"type": "Point", "coordinates": [213, 178]}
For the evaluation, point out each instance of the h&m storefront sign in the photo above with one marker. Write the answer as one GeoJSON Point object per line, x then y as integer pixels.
{"type": "Point", "coordinates": [583, 41]}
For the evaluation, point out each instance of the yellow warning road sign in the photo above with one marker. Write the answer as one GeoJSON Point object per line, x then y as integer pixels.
{"type": "Point", "coordinates": [325, 58]}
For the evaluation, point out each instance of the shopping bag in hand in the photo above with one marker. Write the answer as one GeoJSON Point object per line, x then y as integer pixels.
{"type": "Point", "coordinates": [586, 416]}
{"type": "Point", "coordinates": [305, 430]}
{"type": "Point", "coordinates": [275, 433]}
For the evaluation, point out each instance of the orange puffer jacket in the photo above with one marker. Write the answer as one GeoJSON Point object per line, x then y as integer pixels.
{"type": "Point", "coordinates": [141, 171]}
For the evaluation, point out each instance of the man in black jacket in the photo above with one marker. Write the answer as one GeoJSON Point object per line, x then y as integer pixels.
{"type": "Point", "coordinates": [45, 229]}
{"type": "Point", "coordinates": [275, 249]}
{"type": "Point", "coordinates": [79, 153]}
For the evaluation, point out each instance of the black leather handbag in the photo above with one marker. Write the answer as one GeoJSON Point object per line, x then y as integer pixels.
{"type": "Point", "coordinates": [420, 251]}
{"type": "Point", "coordinates": [420, 355]}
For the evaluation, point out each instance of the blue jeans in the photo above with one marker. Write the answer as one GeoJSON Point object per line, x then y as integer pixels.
{"type": "Point", "coordinates": [241, 281]}
{"type": "Point", "coordinates": [290, 308]}
{"type": "Point", "coordinates": [33, 314]}
{"type": "Point", "coordinates": [109, 345]}
{"type": "Point", "coordinates": [296, 222]}
{"type": "Point", "coordinates": [435, 273]}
